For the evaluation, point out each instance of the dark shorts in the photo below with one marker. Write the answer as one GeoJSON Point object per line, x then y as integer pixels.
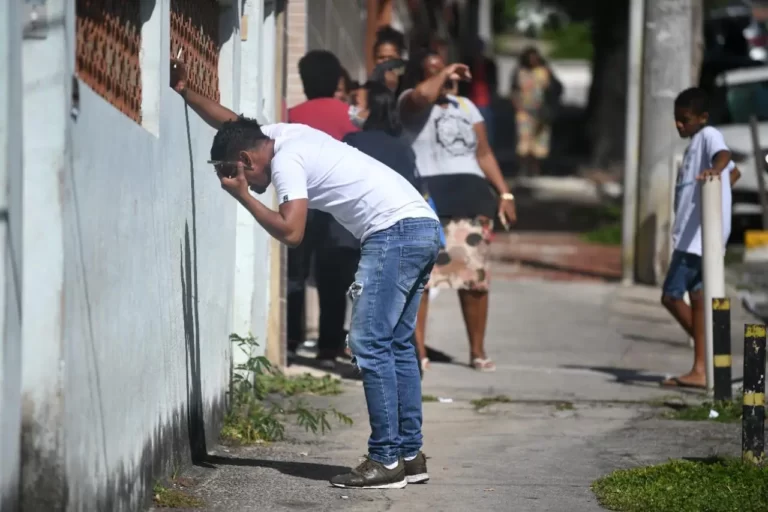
{"type": "Point", "coordinates": [684, 275]}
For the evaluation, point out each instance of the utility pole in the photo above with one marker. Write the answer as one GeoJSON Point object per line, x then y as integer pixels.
{"type": "Point", "coordinates": [666, 71]}
{"type": "Point", "coordinates": [632, 142]}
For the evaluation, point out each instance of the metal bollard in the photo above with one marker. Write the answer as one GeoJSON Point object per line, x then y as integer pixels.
{"type": "Point", "coordinates": [721, 344]}
{"type": "Point", "coordinates": [753, 411]}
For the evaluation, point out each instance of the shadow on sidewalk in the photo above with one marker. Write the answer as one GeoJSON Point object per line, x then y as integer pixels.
{"type": "Point", "coordinates": [306, 470]}
{"type": "Point", "coordinates": [633, 377]}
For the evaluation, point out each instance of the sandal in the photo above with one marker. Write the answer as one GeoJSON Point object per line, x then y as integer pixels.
{"type": "Point", "coordinates": [483, 365]}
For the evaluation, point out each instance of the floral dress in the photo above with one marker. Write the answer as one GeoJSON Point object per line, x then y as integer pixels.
{"type": "Point", "coordinates": [533, 135]}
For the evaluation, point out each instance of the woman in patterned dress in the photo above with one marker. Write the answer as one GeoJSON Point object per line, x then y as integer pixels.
{"type": "Point", "coordinates": [457, 167]}
{"type": "Point", "coordinates": [531, 83]}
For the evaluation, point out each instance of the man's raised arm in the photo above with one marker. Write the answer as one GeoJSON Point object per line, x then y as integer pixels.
{"type": "Point", "coordinates": [209, 111]}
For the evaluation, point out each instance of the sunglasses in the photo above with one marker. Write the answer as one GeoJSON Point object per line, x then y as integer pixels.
{"type": "Point", "coordinates": [217, 164]}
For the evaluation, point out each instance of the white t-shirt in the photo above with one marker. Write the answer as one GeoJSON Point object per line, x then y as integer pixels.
{"type": "Point", "coordinates": [444, 139]}
{"type": "Point", "coordinates": [686, 230]}
{"type": "Point", "coordinates": [362, 194]}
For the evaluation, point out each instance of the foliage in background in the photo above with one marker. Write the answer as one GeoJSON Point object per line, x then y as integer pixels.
{"type": "Point", "coordinates": [573, 41]}
{"type": "Point", "coordinates": [714, 485]}
{"type": "Point", "coordinates": [261, 400]}
{"type": "Point", "coordinates": [608, 227]}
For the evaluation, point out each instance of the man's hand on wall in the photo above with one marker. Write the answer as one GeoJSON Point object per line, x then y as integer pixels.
{"type": "Point", "coordinates": [178, 76]}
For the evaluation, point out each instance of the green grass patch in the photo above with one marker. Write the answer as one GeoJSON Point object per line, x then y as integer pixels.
{"type": "Point", "coordinates": [428, 398]}
{"type": "Point", "coordinates": [728, 411]}
{"type": "Point", "coordinates": [607, 220]}
{"type": "Point", "coordinates": [277, 382]}
{"type": "Point", "coordinates": [608, 234]}
{"type": "Point", "coordinates": [174, 498]}
{"type": "Point", "coordinates": [482, 403]}
{"type": "Point", "coordinates": [716, 485]}
{"type": "Point", "coordinates": [574, 41]}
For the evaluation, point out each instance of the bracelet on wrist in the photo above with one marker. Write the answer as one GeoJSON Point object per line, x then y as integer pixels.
{"type": "Point", "coordinates": [507, 196]}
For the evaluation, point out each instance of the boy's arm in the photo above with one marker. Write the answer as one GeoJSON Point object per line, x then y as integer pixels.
{"type": "Point", "coordinates": [719, 163]}
{"type": "Point", "coordinates": [209, 111]}
{"type": "Point", "coordinates": [735, 175]}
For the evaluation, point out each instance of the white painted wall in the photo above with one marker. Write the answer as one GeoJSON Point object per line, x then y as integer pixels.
{"type": "Point", "coordinates": [10, 248]}
{"type": "Point", "coordinates": [130, 255]}
{"type": "Point", "coordinates": [252, 253]}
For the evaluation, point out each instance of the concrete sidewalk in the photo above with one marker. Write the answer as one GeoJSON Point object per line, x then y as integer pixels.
{"type": "Point", "coordinates": [598, 346]}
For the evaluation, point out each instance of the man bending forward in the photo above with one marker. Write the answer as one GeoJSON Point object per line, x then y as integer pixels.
{"type": "Point", "coordinates": [400, 240]}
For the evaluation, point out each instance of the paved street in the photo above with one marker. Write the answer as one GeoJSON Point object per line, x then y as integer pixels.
{"type": "Point", "coordinates": [595, 345]}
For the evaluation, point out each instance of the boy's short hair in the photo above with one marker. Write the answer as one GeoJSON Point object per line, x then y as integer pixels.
{"type": "Point", "coordinates": [320, 71]}
{"type": "Point", "coordinates": [695, 99]}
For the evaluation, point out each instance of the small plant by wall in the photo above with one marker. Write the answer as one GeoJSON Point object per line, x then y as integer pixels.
{"type": "Point", "coordinates": [263, 399]}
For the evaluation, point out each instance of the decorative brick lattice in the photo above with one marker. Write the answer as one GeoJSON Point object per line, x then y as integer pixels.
{"type": "Point", "coordinates": [107, 51]}
{"type": "Point", "coordinates": [195, 29]}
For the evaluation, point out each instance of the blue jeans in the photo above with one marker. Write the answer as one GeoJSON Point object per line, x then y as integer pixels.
{"type": "Point", "coordinates": [394, 267]}
{"type": "Point", "coordinates": [684, 275]}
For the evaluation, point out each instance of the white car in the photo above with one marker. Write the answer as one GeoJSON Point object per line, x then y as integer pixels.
{"type": "Point", "coordinates": [739, 94]}
{"type": "Point", "coordinates": [746, 93]}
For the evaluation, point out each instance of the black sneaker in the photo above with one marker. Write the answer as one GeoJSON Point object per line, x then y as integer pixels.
{"type": "Point", "coordinates": [373, 475]}
{"type": "Point", "coordinates": [416, 470]}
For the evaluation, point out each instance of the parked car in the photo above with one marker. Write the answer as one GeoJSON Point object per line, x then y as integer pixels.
{"type": "Point", "coordinates": [736, 95]}
{"type": "Point", "coordinates": [733, 31]}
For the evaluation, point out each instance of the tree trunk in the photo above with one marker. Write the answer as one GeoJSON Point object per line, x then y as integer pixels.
{"type": "Point", "coordinates": [697, 35]}
{"type": "Point", "coordinates": [608, 93]}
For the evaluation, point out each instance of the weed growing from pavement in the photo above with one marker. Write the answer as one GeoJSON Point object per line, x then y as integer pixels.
{"type": "Point", "coordinates": [712, 485]}
{"type": "Point", "coordinates": [564, 406]}
{"type": "Point", "coordinates": [482, 403]}
{"type": "Point", "coordinates": [728, 411]}
{"type": "Point", "coordinates": [164, 497]}
{"type": "Point", "coordinates": [261, 398]}
{"type": "Point", "coordinates": [428, 398]}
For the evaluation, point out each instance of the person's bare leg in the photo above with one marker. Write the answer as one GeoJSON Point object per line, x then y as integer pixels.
{"type": "Point", "coordinates": [421, 326]}
{"type": "Point", "coordinates": [681, 312]}
{"type": "Point", "coordinates": [474, 307]}
{"type": "Point", "coordinates": [691, 318]}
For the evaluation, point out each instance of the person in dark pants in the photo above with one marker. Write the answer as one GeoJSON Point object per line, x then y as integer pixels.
{"type": "Point", "coordinates": [334, 249]}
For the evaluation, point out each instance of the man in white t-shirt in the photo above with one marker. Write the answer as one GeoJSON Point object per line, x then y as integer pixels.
{"type": "Point", "coordinates": [706, 157]}
{"type": "Point", "coordinates": [399, 234]}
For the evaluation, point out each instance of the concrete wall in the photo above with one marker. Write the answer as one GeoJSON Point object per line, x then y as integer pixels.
{"type": "Point", "coordinates": [130, 253]}
{"type": "Point", "coordinates": [10, 248]}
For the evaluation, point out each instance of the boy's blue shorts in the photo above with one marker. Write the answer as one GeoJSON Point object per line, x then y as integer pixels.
{"type": "Point", "coordinates": [684, 275]}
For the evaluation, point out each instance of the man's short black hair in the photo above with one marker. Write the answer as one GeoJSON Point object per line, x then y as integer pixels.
{"type": "Point", "coordinates": [694, 99]}
{"type": "Point", "coordinates": [233, 137]}
{"type": "Point", "coordinates": [320, 71]}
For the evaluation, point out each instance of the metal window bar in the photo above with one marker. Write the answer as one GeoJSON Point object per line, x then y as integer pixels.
{"type": "Point", "coordinates": [108, 41]}
{"type": "Point", "coordinates": [195, 28]}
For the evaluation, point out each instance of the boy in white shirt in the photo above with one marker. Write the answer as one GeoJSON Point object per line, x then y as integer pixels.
{"type": "Point", "coordinates": [400, 238]}
{"type": "Point", "coordinates": [706, 157]}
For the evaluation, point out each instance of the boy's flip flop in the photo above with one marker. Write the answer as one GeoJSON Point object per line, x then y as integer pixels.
{"type": "Point", "coordinates": [675, 382]}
